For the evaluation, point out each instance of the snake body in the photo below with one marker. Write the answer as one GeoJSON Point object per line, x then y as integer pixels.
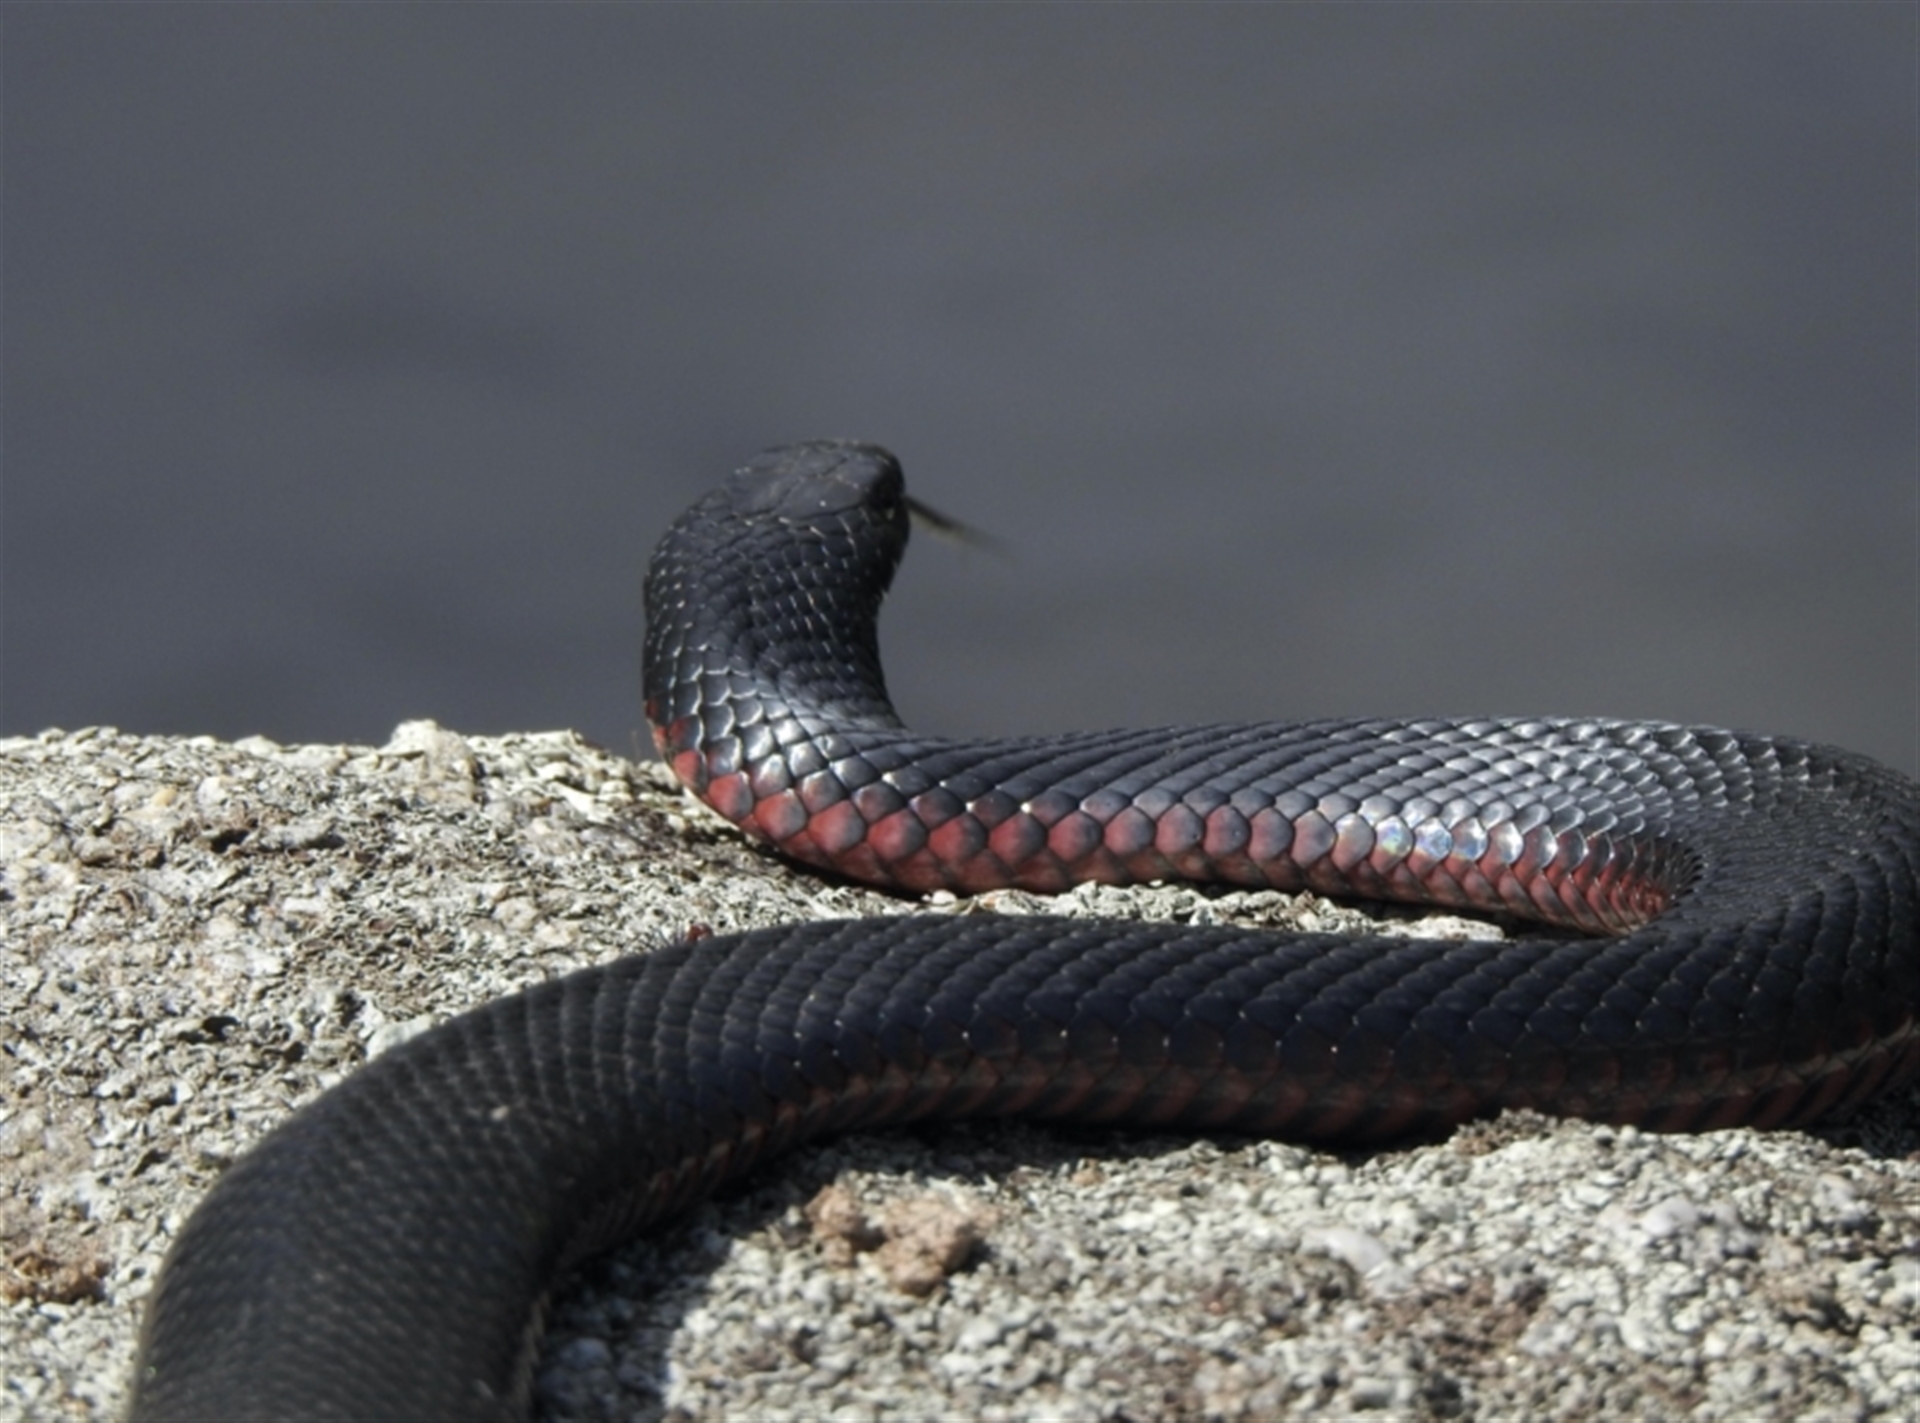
{"type": "Point", "coordinates": [384, 1253]}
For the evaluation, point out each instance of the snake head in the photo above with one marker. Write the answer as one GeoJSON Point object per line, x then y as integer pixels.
{"type": "Point", "coordinates": [819, 481]}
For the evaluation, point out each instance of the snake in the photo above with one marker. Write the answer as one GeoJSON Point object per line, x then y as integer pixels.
{"type": "Point", "coordinates": [1726, 935]}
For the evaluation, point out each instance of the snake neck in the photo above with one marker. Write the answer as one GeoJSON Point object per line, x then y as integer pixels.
{"type": "Point", "coordinates": [763, 600]}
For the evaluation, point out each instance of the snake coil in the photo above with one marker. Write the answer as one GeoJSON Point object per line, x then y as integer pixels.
{"type": "Point", "coordinates": [385, 1252]}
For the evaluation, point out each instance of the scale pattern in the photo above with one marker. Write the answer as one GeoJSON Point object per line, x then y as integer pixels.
{"type": "Point", "coordinates": [384, 1253]}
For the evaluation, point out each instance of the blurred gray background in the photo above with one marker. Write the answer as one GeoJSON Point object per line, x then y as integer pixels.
{"type": "Point", "coordinates": [1308, 360]}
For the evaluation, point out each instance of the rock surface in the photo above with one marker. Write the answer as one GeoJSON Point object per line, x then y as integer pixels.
{"type": "Point", "coordinates": [196, 936]}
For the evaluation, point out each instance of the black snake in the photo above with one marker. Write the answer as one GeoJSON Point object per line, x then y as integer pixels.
{"type": "Point", "coordinates": [384, 1252]}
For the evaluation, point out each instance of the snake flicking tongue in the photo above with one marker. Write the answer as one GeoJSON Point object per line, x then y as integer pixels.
{"type": "Point", "coordinates": [384, 1252]}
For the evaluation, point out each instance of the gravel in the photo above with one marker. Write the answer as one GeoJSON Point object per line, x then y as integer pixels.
{"type": "Point", "coordinates": [197, 936]}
